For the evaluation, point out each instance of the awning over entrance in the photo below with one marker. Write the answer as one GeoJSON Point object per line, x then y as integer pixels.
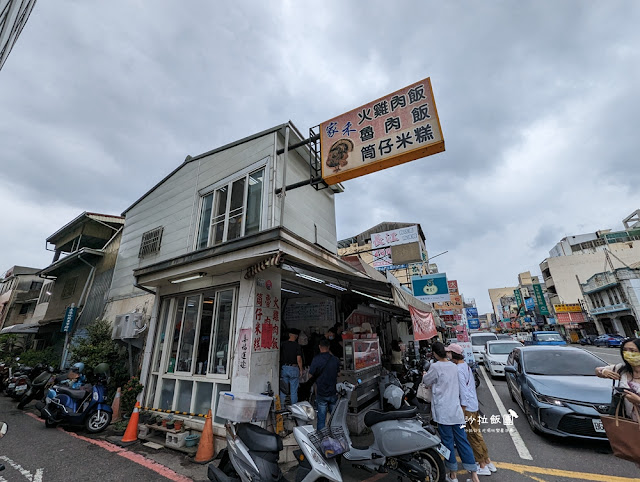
{"type": "Point", "coordinates": [28, 328]}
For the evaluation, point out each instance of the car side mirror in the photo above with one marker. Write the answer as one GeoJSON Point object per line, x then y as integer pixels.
{"type": "Point", "coordinates": [510, 369]}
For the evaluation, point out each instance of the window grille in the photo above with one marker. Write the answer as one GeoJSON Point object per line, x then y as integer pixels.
{"type": "Point", "coordinates": [151, 242]}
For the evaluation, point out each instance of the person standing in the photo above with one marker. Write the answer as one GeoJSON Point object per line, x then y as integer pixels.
{"type": "Point", "coordinates": [291, 362]}
{"type": "Point", "coordinates": [396, 357]}
{"type": "Point", "coordinates": [469, 403]}
{"type": "Point", "coordinates": [324, 369]}
{"type": "Point", "coordinates": [335, 347]}
{"type": "Point", "coordinates": [628, 375]}
{"type": "Point", "coordinates": [447, 412]}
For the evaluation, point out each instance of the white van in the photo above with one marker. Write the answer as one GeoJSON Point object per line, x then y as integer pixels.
{"type": "Point", "coordinates": [478, 340]}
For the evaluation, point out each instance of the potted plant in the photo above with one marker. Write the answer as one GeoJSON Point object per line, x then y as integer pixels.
{"type": "Point", "coordinates": [120, 427]}
{"type": "Point", "coordinates": [177, 425]}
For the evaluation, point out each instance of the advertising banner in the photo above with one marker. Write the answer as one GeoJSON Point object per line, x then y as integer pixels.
{"type": "Point", "coordinates": [69, 318]}
{"type": "Point", "coordinates": [473, 323]}
{"type": "Point", "coordinates": [454, 304]}
{"type": "Point", "coordinates": [424, 326]}
{"type": "Point", "coordinates": [468, 351]}
{"type": "Point", "coordinates": [566, 318]}
{"type": "Point", "coordinates": [431, 288]}
{"type": "Point", "coordinates": [540, 301]}
{"type": "Point", "coordinates": [398, 128]}
{"type": "Point", "coordinates": [529, 304]}
{"type": "Point", "coordinates": [568, 308]}
{"type": "Point", "coordinates": [519, 302]}
{"type": "Point", "coordinates": [453, 286]}
{"type": "Point", "coordinates": [381, 244]}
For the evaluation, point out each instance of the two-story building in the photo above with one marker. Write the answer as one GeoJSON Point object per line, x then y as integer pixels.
{"type": "Point", "coordinates": [19, 290]}
{"type": "Point", "coordinates": [236, 246]}
{"type": "Point", "coordinates": [85, 252]}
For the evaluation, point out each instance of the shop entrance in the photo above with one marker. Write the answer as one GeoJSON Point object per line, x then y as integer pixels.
{"type": "Point", "coordinates": [607, 326]}
{"type": "Point", "coordinates": [629, 325]}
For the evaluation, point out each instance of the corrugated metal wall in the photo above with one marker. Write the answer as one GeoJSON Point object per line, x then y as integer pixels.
{"type": "Point", "coordinates": [96, 301]}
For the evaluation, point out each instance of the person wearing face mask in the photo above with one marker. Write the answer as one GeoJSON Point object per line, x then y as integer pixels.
{"type": "Point", "coordinates": [628, 373]}
{"type": "Point", "coordinates": [334, 345]}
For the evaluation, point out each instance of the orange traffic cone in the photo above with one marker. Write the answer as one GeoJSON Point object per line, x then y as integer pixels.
{"type": "Point", "coordinates": [115, 406]}
{"type": "Point", "coordinates": [131, 434]}
{"type": "Point", "coordinates": [205, 448]}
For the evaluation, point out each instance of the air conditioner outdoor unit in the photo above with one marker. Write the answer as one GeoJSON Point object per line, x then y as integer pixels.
{"type": "Point", "coordinates": [128, 326]}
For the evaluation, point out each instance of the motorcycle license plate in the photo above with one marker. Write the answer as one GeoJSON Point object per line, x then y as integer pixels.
{"type": "Point", "coordinates": [11, 385]}
{"type": "Point", "coordinates": [20, 390]}
{"type": "Point", "coordinates": [444, 451]}
{"type": "Point", "coordinates": [597, 425]}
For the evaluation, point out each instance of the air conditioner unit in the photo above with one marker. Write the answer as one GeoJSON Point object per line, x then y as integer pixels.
{"type": "Point", "coordinates": [128, 326]}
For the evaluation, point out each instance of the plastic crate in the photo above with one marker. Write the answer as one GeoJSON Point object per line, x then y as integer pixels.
{"type": "Point", "coordinates": [243, 407]}
{"type": "Point", "coordinates": [330, 441]}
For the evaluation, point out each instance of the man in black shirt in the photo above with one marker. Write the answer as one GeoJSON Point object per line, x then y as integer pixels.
{"type": "Point", "coordinates": [291, 362]}
{"type": "Point", "coordinates": [324, 368]}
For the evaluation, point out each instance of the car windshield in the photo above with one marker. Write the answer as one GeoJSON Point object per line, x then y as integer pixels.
{"type": "Point", "coordinates": [480, 340]}
{"type": "Point", "coordinates": [502, 348]}
{"type": "Point", "coordinates": [549, 337]}
{"type": "Point", "coordinates": [561, 362]}
{"type": "Point", "coordinates": [504, 337]}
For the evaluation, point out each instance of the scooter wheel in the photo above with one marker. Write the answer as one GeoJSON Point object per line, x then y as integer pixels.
{"type": "Point", "coordinates": [97, 421]}
{"type": "Point", "coordinates": [433, 463]}
{"type": "Point", "coordinates": [23, 403]}
{"type": "Point", "coordinates": [49, 424]}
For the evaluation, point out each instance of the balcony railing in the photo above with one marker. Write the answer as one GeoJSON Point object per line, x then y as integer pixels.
{"type": "Point", "coordinates": [599, 282]}
{"type": "Point", "coordinates": [610, 308]}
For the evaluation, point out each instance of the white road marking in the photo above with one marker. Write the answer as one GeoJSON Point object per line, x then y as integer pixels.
{"type": "Point", "coordinates": [522, 449]}
{"type": "Point", "coordinates": [24, 472]}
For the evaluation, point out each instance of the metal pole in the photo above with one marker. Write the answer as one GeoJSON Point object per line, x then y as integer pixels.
{"type": "Point", "coordinates": [283, 193]}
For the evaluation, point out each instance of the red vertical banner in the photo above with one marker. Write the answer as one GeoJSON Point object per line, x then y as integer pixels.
{"type": "Point", "coordinates": [424, 326]}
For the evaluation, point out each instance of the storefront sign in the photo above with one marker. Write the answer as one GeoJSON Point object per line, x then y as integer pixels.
{"type": "Point", "coordinates": [266, 327]}
{"type": "Point", "coordinates": [381, 244]}
{"type": "Point", "coordinates": [454, 304]}
{"type": "Point", "coordinates": [424, 326]}
{"type": "Point", "coordinates": [471, 312]}
{"type": "Point", "coordinates": [69, 318]}
{"type": "Point", "coordinates": [529, 304]}
{"type": "Point", "coordinates": [519, 302]}
{"type": "Point", "coordinates": [453, 286]}
{"type": "Point", "coordinates": [244, 353]}
{"type": "Point", "coordinates": [473, 323]}
{"type": "Point", "coordinates": [540, 301]}
{"type": "Point", "coordinates": [468, 351]}
{"type": "Point", "coordinates": [448, 318]}
{"type": "Point", "coordinates": [398, 128]}
{"type": "Point", "coordinates": [431, 288]}
{"type": "Point", "coordinates": [568, 308]}
{"type": "Point", "coordinates": [571, 317]}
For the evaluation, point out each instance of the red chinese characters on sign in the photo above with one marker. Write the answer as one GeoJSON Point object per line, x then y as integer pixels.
{"type": "Point", "coordinates": [266, 316]}
{"type": "Point", "coordinates": [267, 334]}
{"type": "Point", "coordinates": [566, 318]}
{"type": "Point", "coordinates": [453, 286]}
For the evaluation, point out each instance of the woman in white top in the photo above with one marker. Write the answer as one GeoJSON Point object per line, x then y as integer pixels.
{"type": "Point", "coordinates": [628, 374]}
{"type": "Point", "coordinates": [447, 412]}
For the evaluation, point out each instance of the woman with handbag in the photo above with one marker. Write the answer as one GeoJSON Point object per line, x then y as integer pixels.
{"type": "Point", "coordinates": [628, 375]}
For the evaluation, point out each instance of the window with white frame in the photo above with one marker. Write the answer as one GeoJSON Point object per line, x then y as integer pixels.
{"type": "Point", "coordinates": [232, 210]}
{"type": "Point", "coordinates": [191, 354]}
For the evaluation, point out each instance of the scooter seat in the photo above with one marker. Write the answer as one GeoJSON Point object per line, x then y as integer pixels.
{"type": "Point", "coordinates": [376, 416]}
{"type": "Point", "coordinates": [78, 394]}
{"type": "Point", "coordinates": [258, 439]}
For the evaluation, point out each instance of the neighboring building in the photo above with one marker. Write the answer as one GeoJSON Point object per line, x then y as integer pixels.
{"type": "Point", "coordinates": [85, 252]}
{"type": "Point", "coordinates": [13, 17]}
{"type": "Point", "coordinates": [19, 291]}
{"type": "Point", "coordinates": [229, 271]}
{"type": "Point", "coordinates": [613, 300]}
{"type": "Point", "coordinates": [525, 312]}
{"type": "Point", "coordinates": [499, 305]}
{"type": "Point", "coordinates": [378, 254]}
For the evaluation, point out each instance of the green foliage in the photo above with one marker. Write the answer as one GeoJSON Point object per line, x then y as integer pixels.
{"type": "Point", "coordinates": [10, 347]}
{"type": "Point", "coordinates": [129, 394]}
{"type": "Point", "coordinates": [98, 347]}
{"type": "Point", "coordinates": [48, 356]}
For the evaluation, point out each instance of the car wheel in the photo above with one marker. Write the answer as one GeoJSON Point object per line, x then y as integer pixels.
{"type": "Point", "coordinates": [529, 416]}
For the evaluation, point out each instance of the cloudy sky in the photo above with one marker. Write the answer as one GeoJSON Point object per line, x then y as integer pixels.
{"type": "Point", "coordinates": [537, 100]}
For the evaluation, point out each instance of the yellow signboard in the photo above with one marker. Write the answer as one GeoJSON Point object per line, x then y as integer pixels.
{"type": "Point", "coordinates": [568, 308]}
{"type": "Point", "coordinates": [454, 304]}
{"type": "Point", "coordinates": [398, 128]}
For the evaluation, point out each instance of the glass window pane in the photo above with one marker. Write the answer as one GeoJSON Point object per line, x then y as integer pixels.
{"type": "Point", "coordinates": [184, 396]}
{"type": "Point", "coordinates": [164, 317]}
{"type": "Point", "coordinates": [220, 352]}
{"type": "Point", "coordinates": [204, 338]}
{"type": "Point", "coordinates": [185, 354]}
{"type": "Point", "coordinates": [220, 387]}
{"type": "Point", "coordinates": [236, 210]}
{"type": "Point", "coordinates": [217, 222]}
{"type": "Point", "coordinates": [176, 334]}
{"type": "Point", "coordinates": [151, 392]}
{"type": "Point", "coordinates": [205, 221]}
{"type": "Point", "coordinates": [166, 395]}
{"type": "Point", "coordinates": [204, 392]}
{"type": "Point", "coordinates": [254, 202]}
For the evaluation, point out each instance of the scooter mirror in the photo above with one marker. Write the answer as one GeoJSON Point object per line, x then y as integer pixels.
{"type": "Point", "coordinates": [3, 429]}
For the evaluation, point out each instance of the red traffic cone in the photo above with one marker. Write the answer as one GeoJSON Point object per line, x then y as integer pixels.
{"type": "Point", "coordinates": [205, 448]}
{"type": "Point", "coordinates": [115, 406]}
{"type": "Point", "coordinates": [131, 434]}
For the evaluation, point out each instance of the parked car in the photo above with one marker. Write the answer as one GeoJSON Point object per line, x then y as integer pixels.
{"type": "Point", "coordinates": [557, 390]}
{"type": "Point", "coordinates": [588, 340]}
{"type": "Point", "coordinates": [505, 336]}
{"type": "Point", "coordinates": [608, 340]}
{"type": "Point", "coordinates": [478, 341]}
{"type": "Point", "coordinates": [496, 354]}
{"type": "Point", "coordinates": [546, 338]}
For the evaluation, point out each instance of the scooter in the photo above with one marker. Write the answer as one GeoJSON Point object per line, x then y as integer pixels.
{"type": "Point", "coordinates": [38, 387]}
{"type": "Point", "coordinates": [402, 443]}
{"type": "Point", "coordinates": [252, 452]}
{"type": "Point", "coordinates": [85, 406]}
{"type": "Point", "coordinates": [3, 431]}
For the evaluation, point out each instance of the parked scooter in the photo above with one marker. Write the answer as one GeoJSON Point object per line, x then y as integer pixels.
{"type": "Point", "coordinates": [38, 387]}
{"type": "Point", "coordinates": [476, 372]}
{"type": "Point", "coordinates": [79, 406]}
{"type": "Point", "coordinates": [3, 431]}
{"type": "Point", "coordinates": [401, 443]}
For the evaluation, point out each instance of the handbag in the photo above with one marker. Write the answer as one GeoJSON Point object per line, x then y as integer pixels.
{"type": "Point", "coordinates": [623, 434]}
{"type": "Point", "coordinates": [424, 392]}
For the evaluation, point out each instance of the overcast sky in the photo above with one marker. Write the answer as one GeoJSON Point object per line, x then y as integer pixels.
{"type": "Point", "coordinates": [539, 104]}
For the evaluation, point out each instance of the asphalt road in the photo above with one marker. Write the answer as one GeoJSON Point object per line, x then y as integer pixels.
{"type": "Point", "coordinates": [33, 453]}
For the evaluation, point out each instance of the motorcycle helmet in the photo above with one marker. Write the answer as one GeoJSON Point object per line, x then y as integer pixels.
{"type": "Point", "coordinates": [101, 369]}
{"type": "Point", "coordinates": [77, 367]}
{"type": "Point", "coordinates": [394, 395]}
